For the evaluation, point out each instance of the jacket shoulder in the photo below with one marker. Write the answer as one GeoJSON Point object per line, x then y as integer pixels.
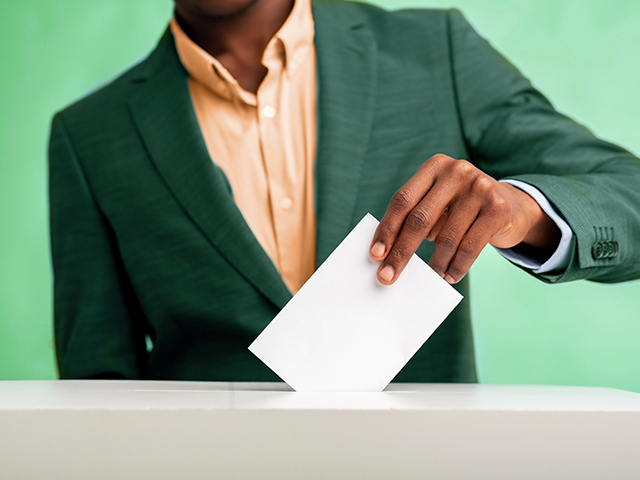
{"type": "Point", "coordinates": [379, 18]}
{"type": "Point", "coordinates": [114, 95]}
{"type": "Point", "coordinates": [401, 32]}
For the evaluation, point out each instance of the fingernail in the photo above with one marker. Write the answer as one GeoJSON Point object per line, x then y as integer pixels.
{"type": "Point", "coordinates": [377, 250]}
{"type": "Point", "coordinates": [449, 279]}
{"type": "Point", "coordinates": [386, 273]}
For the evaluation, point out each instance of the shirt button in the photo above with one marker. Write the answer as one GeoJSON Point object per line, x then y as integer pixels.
{"type": "Point", "coordinates": [269, 112]}
{"type": "Point", "coordinates": [286, 203]}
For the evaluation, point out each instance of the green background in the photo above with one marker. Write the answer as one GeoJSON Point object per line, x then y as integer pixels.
{"type": "Point", "coordinates": [584, 55]}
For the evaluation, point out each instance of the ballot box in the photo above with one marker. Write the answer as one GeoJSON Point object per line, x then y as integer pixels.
{"type": "Point", "coordinates": [193, 430]}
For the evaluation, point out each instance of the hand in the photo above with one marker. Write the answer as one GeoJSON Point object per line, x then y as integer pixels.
{"type": "Point", "coordinates": [462, 209]}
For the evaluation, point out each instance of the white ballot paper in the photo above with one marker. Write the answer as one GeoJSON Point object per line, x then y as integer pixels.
{"type": "Point", "coordinates": [344, 331]}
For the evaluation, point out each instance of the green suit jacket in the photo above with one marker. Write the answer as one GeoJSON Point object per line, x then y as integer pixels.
{"type": "Point", "coordinates": [148, 242]}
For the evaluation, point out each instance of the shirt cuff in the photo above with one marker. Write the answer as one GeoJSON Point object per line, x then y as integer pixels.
{"type": "Point", "coordinates": [560, 258]}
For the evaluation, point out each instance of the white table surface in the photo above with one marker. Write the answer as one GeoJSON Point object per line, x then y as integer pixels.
{"type": "Point", "coordinates": [127, 429]}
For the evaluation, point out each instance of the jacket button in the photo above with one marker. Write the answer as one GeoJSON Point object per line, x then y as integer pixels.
{"type": "Point", "coordinates": [597, 251]}
{"type": "Point", "coordinates": [615, 248]}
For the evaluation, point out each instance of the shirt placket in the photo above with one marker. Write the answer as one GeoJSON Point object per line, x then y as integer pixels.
{"type": "Point", "coordinates": [280, 180]}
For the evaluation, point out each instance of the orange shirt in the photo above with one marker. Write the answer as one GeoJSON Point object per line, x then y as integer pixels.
{"type": "Point", "coordinates": [265, 143]}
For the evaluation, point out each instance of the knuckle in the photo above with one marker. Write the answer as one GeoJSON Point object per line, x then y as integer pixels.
{"type": "Point", "coordinates": [462, 169]}
{"type": "Point", "coordinates": [468, 249]}
{"type": "Point", "coordinates": [446, 241]}
{"type": "Point", "coordinates": [386, 229]}
{"type": "Point", "coordinates": [483, 185]}
{"type": "Point", "coordinates": [456, 271]}
{"type": "Point", "coordinates": [399, 253]}
{"type": "Point", "coordinates": [440, 161]}
{"type": "Point", "coordinates": [499, 205]}
{"type": "Point", "coordinates": [401, 200]}
{"type": "Point", "coordinates": [440, 157]}
{"type": "Point", "coordinates": [417, 221]}
{"type": "Point", "coordinates": [438, 264]}
{"type": "Point", "coordinates": [439, 269]}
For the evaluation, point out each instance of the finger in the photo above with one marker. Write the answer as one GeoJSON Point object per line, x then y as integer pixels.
{"type": "Point", "coordinates": [460, 219]}
{"type": "Point", "coordinates": [470, 247]}
{"type": "Point", "coordinates": [435, 230]}
{"type": "Point", "coordinates": [415, 230]}
{"type": "Point", "coordinates": [401, 204]}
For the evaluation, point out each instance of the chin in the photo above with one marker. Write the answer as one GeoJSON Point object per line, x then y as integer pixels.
{"type": "Point", "coordinates": [214, 8]}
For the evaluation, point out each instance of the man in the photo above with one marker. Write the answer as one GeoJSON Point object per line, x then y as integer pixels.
{"type": "Point", "coordinates": [193, 195]}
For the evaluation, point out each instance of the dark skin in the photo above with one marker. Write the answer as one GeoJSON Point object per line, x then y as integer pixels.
{"type": "Point", "coordinates": [236, 32]}
{"type": "Point", "coordinates": [447, 201]}
{"type": "Point", "coordinates": [461, 209]}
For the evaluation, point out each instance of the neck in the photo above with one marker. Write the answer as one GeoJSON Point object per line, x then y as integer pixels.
{"type": "Point", "coordinates": [237, 38]}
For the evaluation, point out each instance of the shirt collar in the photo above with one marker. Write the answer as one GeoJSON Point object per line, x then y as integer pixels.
{"type": "Point", "coordinates": [296, 34]}
{"type": "Point", "coordinates": [289, 46]}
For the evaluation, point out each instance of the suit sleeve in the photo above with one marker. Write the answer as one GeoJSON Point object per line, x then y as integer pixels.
{"type": "Point", "coordinates": [513, 132]}
{"type": "Point", "coordinates": [98, 323]}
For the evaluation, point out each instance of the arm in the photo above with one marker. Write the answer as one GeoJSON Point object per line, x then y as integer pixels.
{"type": "Point", "coordinates": [512, 132]}
{"type": "Point", "coordinates": [98, 323]}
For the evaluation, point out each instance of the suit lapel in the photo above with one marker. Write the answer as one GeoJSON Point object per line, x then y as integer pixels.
{"type": "Point", "coordinates": [346, 61]}
{"type": "Point", "coordinates": [168, 126]}
{"type": "Point", "coordinates": [166, 121]}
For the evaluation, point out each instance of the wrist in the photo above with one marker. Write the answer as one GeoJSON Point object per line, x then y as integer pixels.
{"type": "Point", "coordinates": [543, 233]}
{"type": "Point", "coordinates": [530, 227]}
